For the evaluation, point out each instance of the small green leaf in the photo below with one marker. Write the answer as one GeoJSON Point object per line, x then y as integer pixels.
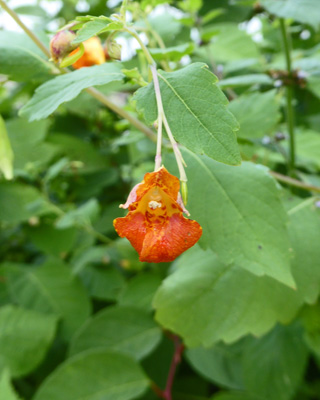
{"type": "Point", "coordinates": [305, 11]}
{"type": "Point", "coordinates": [191, 98]}
{"type": "Point", "coordinates": [66, 87]}
{"type": "Point", "coordinates": [6, 153]}
{"type": "Point", "coordinates": [94, 375]}
{"type": "Point", "coordinates": [174, 53]}
{"type": "Point", "coordinates": [96, 27]}
{"type": "Point", "coordinates": [30, 332]}
{"type": "Point", "coordinates": [124, 329]}
{"type": "Point", "coordinates": [257, 113]}
{"type": "Point", "coordinates": [84, 215]}
{"type": "Point", "coordinates": [50, 288]}
{"type": "Point", "coordinates": [205, 301]}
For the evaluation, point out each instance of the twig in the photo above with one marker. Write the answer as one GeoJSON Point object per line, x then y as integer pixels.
{"type": "Point", "coordinates": [294, 182]}
{"type": "Point", "coordinates": [176, 359]}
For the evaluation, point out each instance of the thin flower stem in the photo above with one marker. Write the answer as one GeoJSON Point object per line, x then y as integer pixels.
{"type": "Point", "coordinates": [289, 95]}
{"type": "Point", "coordinates": [161, 112]}
{"type": "Point", "coordinates": [302, 205]}
{"type": "Point", "coordinates": [92, 91]}
{"type": "Point", "coordinates": [158, 158]}
{"type": "Point", "coordinates": [294, 182]}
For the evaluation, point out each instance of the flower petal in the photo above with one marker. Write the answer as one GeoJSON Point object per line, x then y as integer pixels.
{"type": "Point", "coordinates": [164, 243]}
{"type": "Point", "coordinates": [133, 227]}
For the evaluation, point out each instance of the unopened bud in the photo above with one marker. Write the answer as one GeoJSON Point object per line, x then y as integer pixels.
{"type": "Point", "coordinates": [113, 50]}
{"type": "Point", "coordinates": [61, 44]}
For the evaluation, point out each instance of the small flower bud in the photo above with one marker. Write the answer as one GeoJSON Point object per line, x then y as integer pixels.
{"type": "Point", "coordinates": [113, 50]}
{"type": "Point", "coordinates": [61, 44]}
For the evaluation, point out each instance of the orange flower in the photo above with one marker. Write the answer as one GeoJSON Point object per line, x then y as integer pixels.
{"type": "Point", "coordinates": [155, 225]}
{"type": "Point", "coordinates": [93, 54]}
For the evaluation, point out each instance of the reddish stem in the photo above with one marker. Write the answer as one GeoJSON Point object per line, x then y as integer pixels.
{"type": "Point", "coordinates": [176, 359]}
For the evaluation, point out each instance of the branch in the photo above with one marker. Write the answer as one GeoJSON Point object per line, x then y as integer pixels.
{"type": "Point", "coordinates": [294, 182]}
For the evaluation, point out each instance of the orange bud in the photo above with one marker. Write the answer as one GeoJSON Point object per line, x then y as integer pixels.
{"type": "Point", "coordinates": [93, 54]}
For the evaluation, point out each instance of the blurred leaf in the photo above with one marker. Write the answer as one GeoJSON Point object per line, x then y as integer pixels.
{"type": "Point", "coordinates": [220, 364]}
{"type": "Point", "coordinates": [246, 80]}
{"type": "Point", "coordinates": [252, 220]}
{"type": "Point", "coordinates": [190, 96]}
{"type": "Point", "coordinates": [6, 388]}
{"type": "Point", "coordinates": [50, 288]}
{"type": "Point", "coordinates": [273, 366]}
{"type": "Point", "coordinates": [82, 216]}
{"type": "Point", "coordinates": [205, 301]}
{"type": "Point", "coordinates": [97, 374]}
{"type": "Point", "coordinates": [6, 153]}
{"type": "Point", "coordinates": [308, 148]}
{"type": "Point", "coordinates": [257, 113]}
{"type": "Point", "coordinates": [140, 291]}
{"type": "Point", "coordinates": [96, 27]}
{"type": "Point", "coordinates": [305, 11]}
{"type": "Point", "coordinates": [30, 332]}
{"type": "Point", "coordinates": [174, 53]}
{"type": "Point", "coordinates": [124, 329]}
{"type": "Point", "coordinates": [66, 87]}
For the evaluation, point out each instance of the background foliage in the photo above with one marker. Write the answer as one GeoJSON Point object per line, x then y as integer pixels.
{"type": "Point", "coordinates": [80, 316]}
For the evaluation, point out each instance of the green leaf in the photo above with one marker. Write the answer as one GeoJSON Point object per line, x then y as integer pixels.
{"type": "Point", "coordinates": [15, 208]}
{"type": "Point", "coordinates": [28, 331]}
{"type": "Point", "coordinates": [241, 214]}
{"type": "Point", "coordinates": [235, 396]}
{"type": "Point", "coordinates": [191, 97]}
{"type": "Point", "coordinates": [140, 291]}
{"type": "Point", "coordinates": [124, 329]}
{"type": "Point", "coordinates": [274, 365]}
{"type": "Point", "coordinates": [231, 43]}
{"type": "Point", "coordinates": [84, 215]}
{"type": "Point", "coordinates": [174, 53]}
{"type": "Point", "coordinates": [28, 144]}
{"type": "Point", "coordinates": [50, 288]}
{"type": "Point", "coordinates": [6, 389]}
{"type": "Point", "coordinates": [220, 364]}
{"type": "Point", "coordinates": [308, 149]}
{"type": "Point", "coordinates": [96, 27]}
{"type": "Point", "coordinates": [6, 153]}
{"type": "Point", "coordinates": [305, 11]}
{"type": "Point", "coordinates": [246, 80]}
{"type": "Point", "coordinates": [20, 58]}
{"type": "Point", "coordinates": [94, 375]}
{"type": "Point", "coordinates": [304, 231]}
{"type": "Point", "coordinates": [257, 113]}
{"type": "Point", "coordinates": [205, 301]}
{"type": "Point", "coordinates": [66, 87]}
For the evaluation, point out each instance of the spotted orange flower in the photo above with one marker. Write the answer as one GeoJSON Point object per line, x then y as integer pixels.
{"type": "Point", "coordinates": [93, 54]}
{"type": "Point", "coordinates": [155, 225]}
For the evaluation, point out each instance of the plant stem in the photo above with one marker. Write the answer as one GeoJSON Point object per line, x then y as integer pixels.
{"type": "Point", "coordinates": [92, 91]}
{"type": "Point", "coordinates": [158, 158]}
{"type": "Point", "coordinates": [177, 153]}
{"type": "Point", "coordinates": [27, 30]}
{"type": "Point", "coordinates": [294, 182]}
{"type": "Point", "coordinates": [289, 94]}
{"type": "Point", "coordinates": [176, 359]}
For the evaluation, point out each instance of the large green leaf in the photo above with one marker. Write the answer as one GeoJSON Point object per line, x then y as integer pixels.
{"type": "Point", "coordinates": [196, 111]}
{"type": "Point", "coordinates": [306, 11]}
{"type": "Point", "coordinates": [242, 217]}
{"type": "Point", "coordinates": [6, 389]}
{"type": "Point", "coordinates": [257, 113]}
{"type": "Point", "coordinates": [21, 59]}
{"type": "Point", "coordinates": [304, 230]}
{"type": "Point", "coordinates": [273, 365]}
{"type": "Point", "coordinates": [125, 329]}
{"type": "Point", "coordinates": [50, 95]}
{"type": "Point", "coordinates": [25, 337]}
{"type": "Point", "coordinates": [205, 301]}
{"type": "Point", "coordinates": [50, 288]}
{"type": "Point", "coordinates": [95, 375]}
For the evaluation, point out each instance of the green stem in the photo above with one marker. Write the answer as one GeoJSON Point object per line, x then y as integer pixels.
{"type": "Point", "coordinates": [31, 35]}
{"type": "Point", "coordinates": [289, 94]}
{"type": "Point", "coordinates": [294, 182]}
{"type": "Point", "coordinates": [92, 91]}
